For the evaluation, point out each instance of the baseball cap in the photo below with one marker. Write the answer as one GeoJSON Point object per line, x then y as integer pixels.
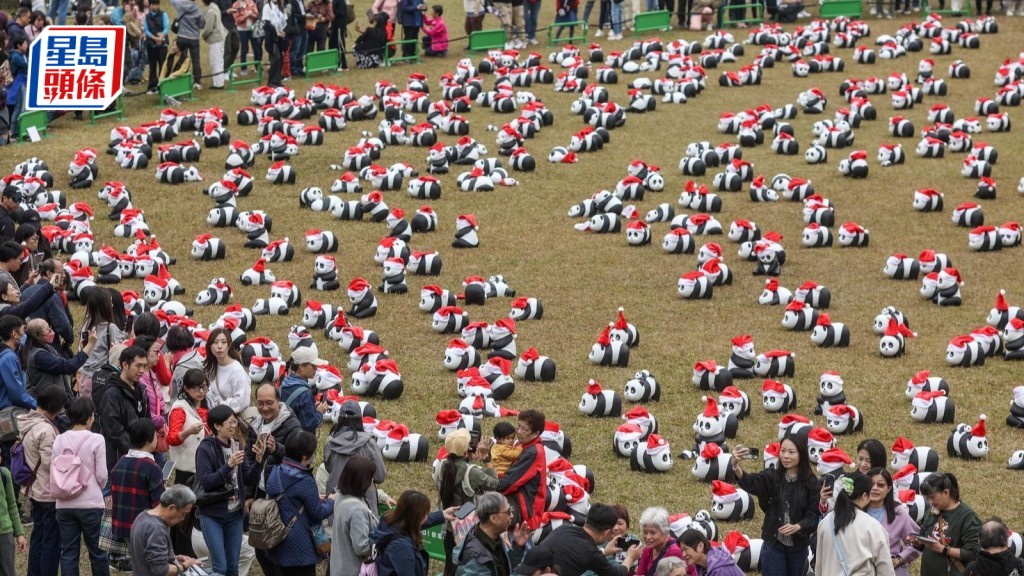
{"type": "Point", "coordinates": [538, 558]}
{"type": "Point", "coordinates": [307, 355]}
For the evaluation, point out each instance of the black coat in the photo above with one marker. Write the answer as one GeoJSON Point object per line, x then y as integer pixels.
{"type": "Point", "coordinates": [270, 459]}
{"type": "Point", "coordinates": [121, 405]}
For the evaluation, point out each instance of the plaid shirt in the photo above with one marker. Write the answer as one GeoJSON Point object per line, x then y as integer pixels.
{"type": "Point", "coordinates": [136, 485]}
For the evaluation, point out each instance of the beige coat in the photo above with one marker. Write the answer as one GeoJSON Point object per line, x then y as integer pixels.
{"type": "Point", "coordinates": [865, 545]}
{"type": "Point", "coordinates": [37, 435]}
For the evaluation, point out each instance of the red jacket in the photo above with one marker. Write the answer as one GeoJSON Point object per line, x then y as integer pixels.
{"type": "Point", "coordinates": [525, 482]}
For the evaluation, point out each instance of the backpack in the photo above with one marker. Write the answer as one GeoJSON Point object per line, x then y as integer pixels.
{"type": "Point", "coordinates": [69, 476]}
{"type": "Point", "coordinates": [266, 527]}
{"type": "Point", "coordinates": [23, 474]}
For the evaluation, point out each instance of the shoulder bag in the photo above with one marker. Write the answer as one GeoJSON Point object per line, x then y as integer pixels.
{"type": "Point", "coordinates": [839, 547]}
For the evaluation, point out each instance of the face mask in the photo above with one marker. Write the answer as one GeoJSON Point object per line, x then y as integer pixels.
{"type": "Point", "coordinates": [48, 338]}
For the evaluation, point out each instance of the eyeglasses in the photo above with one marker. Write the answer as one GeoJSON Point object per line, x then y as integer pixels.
{"type": "Point", "coordinates": [506, 511]}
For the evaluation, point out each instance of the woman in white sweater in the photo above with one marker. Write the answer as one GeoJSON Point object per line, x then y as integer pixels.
{"type": "Point", "coordinates": [850, 541]}
{"type": "Point", "coordinates": [80, 516]}
{"type": "Point", "coordinates": [229, 382]}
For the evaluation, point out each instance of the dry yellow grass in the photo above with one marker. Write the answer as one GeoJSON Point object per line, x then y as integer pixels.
{"type": "Point", "coordinates": [583, 278]}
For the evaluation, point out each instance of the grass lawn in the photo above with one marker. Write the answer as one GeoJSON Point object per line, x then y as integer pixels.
{"type": "Point", "coordinates": [582, 278]}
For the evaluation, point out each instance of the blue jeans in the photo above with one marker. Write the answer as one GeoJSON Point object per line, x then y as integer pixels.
{"type": "Point", "coordinates": [779, 560]}
{"type": "Point", "coordinates": [297, 54]}
{"type": "Point", "coordinates": [245, 40]}
{"type": "Point", "coordinates": [75, 524]}
{"type": "Point", "coordinates": [570, 16]}
{"type": "Point", "coordinates": [617, 17]}
{"type": "Point", "coordinates": [530, 13]}
{"type": "Point", "coordinates": [224, 539]}
{"type": "Point", "coordinates": [59, 11]}
{"type": "Point", "coordinates": [42, 561]}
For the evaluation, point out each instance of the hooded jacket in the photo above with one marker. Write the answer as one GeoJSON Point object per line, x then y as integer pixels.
{"type": "Point", "coordinates": [280, 428]}
{"type": "Point", "coordinates": [396, 553]}
{"type": "Point", "coordinates": [12, 384]}
{"type": "Point", "coordinates": [295, 393]}
{"type": "Point", "coordinates": [37, 436]}
{"type": "Point", "coordinates": [473, 558]}
{"type": "Point", "coordinates": [301, 500]}
{"type": "Point", "coordinates": [525, 483]}
{"type": "Point", "coordinates": [190, 19]}
{"type": "Point", "coordinates": [998, 564]}
{"type": "Point", "coordinates": [53, 311]}
{"type": "Point", "coordinates": [121, 405]}
{"type": "Point", "coordinates": [720, 563]}
{"type": "Point", "coordinates": [101, 381]}
{"type": "Point", "coordinates": [345, 444]}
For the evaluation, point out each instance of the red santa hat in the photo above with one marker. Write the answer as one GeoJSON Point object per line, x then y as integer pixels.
{"type": "Point", "coordinates": [637, 415]}
{"type": "Point", "coordinates": [629, 430]}
{"type": "Point", "coordinates": [926, 399]}
{"type": "Point", "coordinates": [656, 444]}
{"type": "Point", "coordinates": [706, 366]}
{"type": "Point", "coordinates": [730, 393]}
{"type": "Point", "coordinates": [724, 492]}
{"type": "Point", "coordinates": [710, 451]}
{"type": "Point", "coordinates": [396, 435]}
{"type": "Point", "coordinates": [155, 283]}
{"type": "Point", "coordinates": [833, 377]}
{"type": "Point", "coordinates": [773, 388]}
{"type": "Point", "coordinates": [593, 387]}
{"type": "Point", "coordinates": [735, 542]}
{"type": "Point", "coordinates": [979, 429]}
{"type": "Point", "coordinates": [503, 326]}
{"type": "Point", "coordinates": [710, 407]}
{"type": "Point", "coordinates": [896, 328]}
{"type": "Point", "coordinates": [904, 475]}
{"type": "Point", "coordinates": [328, 377]}
{"type": "Point", "coordinates": [448, 418]}
{"type": "Point", "coordinates": [743, 342]}
{"type": "Point", "coordinates": [921, 377]}
{"type": "Point", "coordinates": [465, 220]}
{"type": "Point", "coordinates": [821, 437]}
{"type": "Point", "coordinates": [841, 412]}
{"type": "Point", "coordinates": [835, 457]}
{"type": "Point", "coordinates": [357, 286]}
{"type": "Point", "coordinates": [1001, 304]}
{"type": "Point", "coordinates": [603, 338]}
{"type": "Point", "coordinates": [960, 343]}
{"type": "Point", "coordinates": [902, 445]}
{"type": "Point", "coordinates": [951, 274]}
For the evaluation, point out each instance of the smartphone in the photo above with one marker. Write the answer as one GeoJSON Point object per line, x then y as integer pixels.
{"type": "Point", "coordinates": [625, 542]}
{"type": "Point", "coordinates": [828, 480]}
{"type": "Point", "coordinates": [465, 510]}
{"type": "Point", "coordinates": [262, 438]}
{"type": "Point", "coordinates": [37, 259]}
{"type": "Point", "coordinates": [923, 538]}
{"type": "Point", "coordinates": [168, 468]}
{"type": "Point", "coordinates": [752, 454]}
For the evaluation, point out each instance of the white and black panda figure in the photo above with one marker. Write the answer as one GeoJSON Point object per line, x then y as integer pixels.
{"type": "Point", "coordinates": [729, 503]}
{"type": "Point", "coordinates": [999, 122]}
{"type": "Point", "coordinates": [830, 392]}
{"type": "Point", "coordinates": [799, 316]}
{"type": "Point", "coordinates": [678, 241]}
{"type": "Point", "coordinates": [347, 183]}
{"type": "Point", "coordinates": [533, 367]}
{"type": "Point", "coordinates": [287, 291]}
{"type": "Point", "coordinates": [266, 370]}
{"type": "Point", "coordinates": [623, 331]}
{"type": "Point", "coordinates": [695, 285]}
{"type": "Point", "coordinates": [986, 189]}
{"type": "Point", "coordinates": [819, 440]}
{"type": "Point", "coordinates": [270, 306]}
{"type": "Point", "coordinates": [281, 173]}
{"type": "Point", "coordinates": [321, 241]}
{"type": "Point", "coordinates": [526, 309]}
{"type": "Point", "coordinates": [643, 387]}
{"type": "Point", "coordinates": [425, 187]}
{"type": "Point", "coordinates": [449, 320]}
{"type": "Point", "coordinates": [923, 458]}
{"type": "Point", "coordinates": [651, 455]}
{"type": "Point", "coordinates": [708, 375]}
{"type": "Point", "coordinates": [1013, 340]}
{"type": "Point", "coordinates": [923, 381]}
{"type": "Point", "coordinates": [777, 397]}
{"type": "Point", "coordinates": [255, 226]}
{"type": "Point", "coordinates": [638, 233]}
{"type": "Point", "coordinates": [775, 363]}
{"type": "Point", "coordinates": [318, 315]}
{"type": "Point", "coordinates": [598, 402]}
{"type": "Point", "coordinates": [833, 461]}
{"type": "Point", "coordinates": [606, 352]}
{"type": "Point", "coordinates": [393, 277]}
{"type": "Point", "coordinates": [218, 292]}
{"type": "Point", "coordinates": [843, 419]}
{"type": "Point", "coordinates": [258, 274]}
{"type": "Point", "coordinates": [400, 445]}
{"type": "Point", "coordinates": [503, 337]}
{"type": "Point", "coordinates": [1010, 234]}
{"type": "Point", "coordinates": [855, 165]}
{"type": "Point", "coordinates": [207, 247]}
{"type": "Point", "coordinates": [768, 261]}
{"type": "Point", "coordinates": [172, 173]}
{"type": "Point", "coordinates": [364, 303]}
{"type": "Point", "coordinates": [741, 361]}
{"type": "Point", "coordinates": [891, 155]}
{"type": "Point", "coordinates": [901, 267]}
{"type": "Point", "coordinates": [626, 438]}
{"type": "Point", "coordinates": [947, 288]}
{"type": "Point", "coordinates": [785, 144]}
{"type": "Point", "coordinates": [893, 342]}
{"type": "Point", "coordinates": [965, 351]}
{"type": "Point", "coordinates": [813, 294]}
{"type": "Point", "coordinates": [734, 402]}
{"type": "Point", "coordinates": [713, 464]}
{"type": "Point", "coordinates": [932, 261]}
{"type": "Point", "coordinates": [555, 440]}
{"type": "Point", "coordinates": [466, 232]}
{"type": "Point", "coordinates": [816, 236]}
{"type": "Point", "coordinates": [325, 274]}
{"type": "Point", "coordinates": [853, 235]}
{"type": "Point", "coordinates": [984, 239]}
{"type": "Point", "coordinates": [449, 421]}
{"type": "Point", "coordinates": [1016, 462]}
{"type": "Point", "coordinates": [933, 407]}
{"type": "Point", "coordinates": [746, 551]}
{"type": "Point", "coordinates": [712, 426]}
{"type": "Point", "coordinates": [774, 294]}
{"type": "Point", "coordinates": [968, 443]}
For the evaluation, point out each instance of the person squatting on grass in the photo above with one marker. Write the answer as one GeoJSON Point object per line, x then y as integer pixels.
{"type": "Point", "coordinates": [435, 32]}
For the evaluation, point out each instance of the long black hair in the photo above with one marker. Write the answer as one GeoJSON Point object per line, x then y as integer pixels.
{"type": "Point", "coordinates": [449, 476]}
{"type": "Point", "coordinates": [845, 510]}
{"type": "Point", "coordinates": [940, 482]}
{"type": "Point", "coordinates": [804, 474]}
{"type": "Point", "coordinates": [193, 378]}
{"type": "Point", "coordinates": [876, 452]}
{"type": "Point", "coordinates": [890, 501]}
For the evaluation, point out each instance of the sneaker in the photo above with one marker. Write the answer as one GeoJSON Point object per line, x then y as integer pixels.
{"type": "Point", "coordinates": [533, 42]}
{"type": "Point", "coordinates": [873, 11]}
{"type": "Point", "coordinates": [286, 79]}
{"type": "Point", "coordinates": [599, 33]}
{"type": "Point", "coordinates": [615, 36]}
{"type": "Point", "coordinates": [197, 86]}
{"type": "Point", "coordinates": [1009, 12]}
{"type": "Point", "coordinates": [121, 564]}
{"type": "Point", "coordinates": [917, 8]}
{"type": "Point", "coordinates": [804, 14]}
{"type": "Point", "coordinates": [509, 45]}
{"type": "Point", "coordinates": [888, 15]}
{"type": "Point", "coordinates": [153, 91]}
{"type": "Point", "coordinates": [26, 518]}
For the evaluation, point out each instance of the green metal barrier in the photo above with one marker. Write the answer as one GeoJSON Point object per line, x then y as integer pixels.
{"type": "Point", "coordinates": [965, 8]}
{"type": "Point", "coordinates": [487, 40]}
{"type": "Point", "coordinates": [837, 8]}
{"type": "Point", "coordinates": [177, 88]}
{"type": "Point", "coordinates": [396, 45]}
{"type": "Point", "coordinates": [433, 542]}
{"type": "Point", "coordinates": [29, 119]}
{"type": "Point", "coordinates": [658, 21]}
{"type": "Point", "coordinates": [756, 9]}
{"type": "Point", "coordinates": [117, 109]}
{"type": "Point", "coordinates": [323, 61]}
{"type": "Point", "coordinates": [256, 78]}
{"type": "Point", "coordinates": [573, 27]}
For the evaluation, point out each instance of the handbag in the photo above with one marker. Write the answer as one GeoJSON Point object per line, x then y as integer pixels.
{"type": "Point", "coordinates": [350, 13]}
{"type": "Point", "coordinates": [206, 497]}
{"type": "Point", "coordinates": [321, 541]}
{"type": "Point", "coordinates": [106, 541]}
{"type": "Point", "coordinates": [9, 423]}
{"type": "Point", "coordinates": [174, 26]}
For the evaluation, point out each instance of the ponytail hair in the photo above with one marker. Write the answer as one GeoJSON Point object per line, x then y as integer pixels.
{"type": "Point", "coordinates": [940, 482]}
{"type": "Point", "coordinates": [446, 489]}
{"type": "Point", "coordinates": [849, 488]}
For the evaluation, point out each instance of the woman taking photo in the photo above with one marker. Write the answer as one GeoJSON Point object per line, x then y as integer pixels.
{"type": "Point", "coordinates": [353, 519]}
{"type": "Point", "coordinates": [658, 543]}
{"type": "Point", "coordinates": [186, 429]}
{"type": "Point", "coordinates": [952, 524]}
{"type": "Point", "coordinates": [787, 494]}
{"type": "Point", "coordinates": [895, 519]}
{"type": "Point", "coordinates": [399, 536]}
{"type": "Point", "coordinates": [293, 482]}
{"type": "Point", "coordinates": [229, 382]}
{"type": "Point", "coordinates": [221, 467]}
{"type": "Point", "coordinates": [708, 560]}
{"type": "Point", "coordinates": [452, 480]}
{"type": "Point", "coordinates": [155, 393]}
{"type": "Point", "coordinates": [99, 314]}
{"type": "Point", "coordinates": [80, 516]}
{"type": "Point", "coordinates": [849, 540]}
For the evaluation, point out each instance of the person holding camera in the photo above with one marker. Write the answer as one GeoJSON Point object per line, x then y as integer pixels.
{"type": "Point", "coordinates": [788, 496]}
{"type": "Point", "coordinates": [483, 552]}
